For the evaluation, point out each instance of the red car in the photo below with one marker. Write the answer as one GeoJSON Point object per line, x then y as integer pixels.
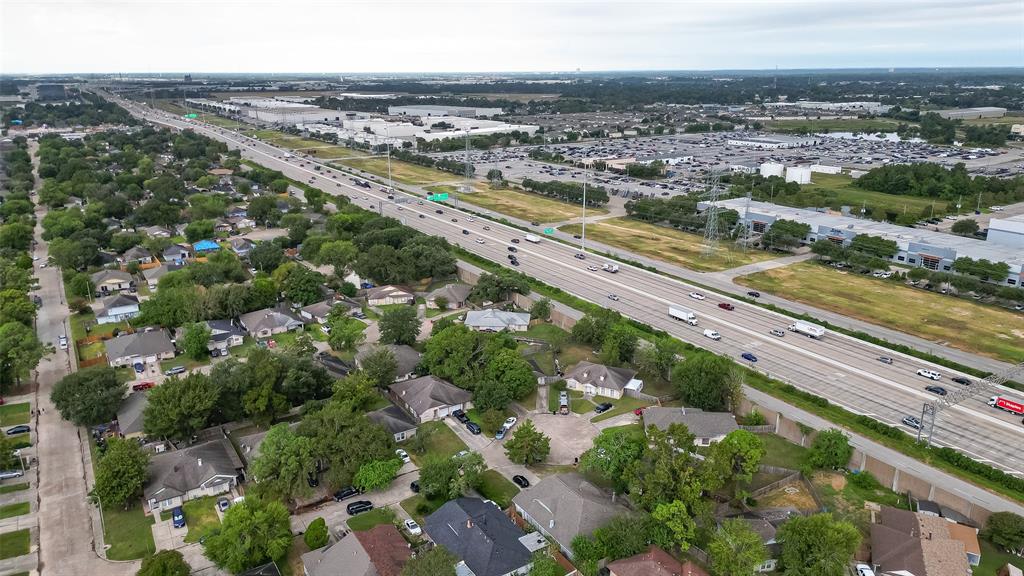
{"type": "Point", "coordinates": [639, 411]}
{"type": "Point", "coordinates": [726, 306]}
{"type": "Point", "coordinates": [143, 386]}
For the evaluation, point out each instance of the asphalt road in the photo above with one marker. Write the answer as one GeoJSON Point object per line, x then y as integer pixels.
{"type": "Point", "coordinates": [842, 369]}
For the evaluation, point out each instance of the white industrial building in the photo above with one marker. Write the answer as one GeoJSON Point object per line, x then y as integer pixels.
{"type": "Point", "coordinates": [772, 169]}
{"type": "Point", "coordinates": [302, 114]}
{"type": "Point", "coordinates": [500, 128]}
{"type": "Point", "coordinates": [774, 142]}
{"type": "Point", "coordinates": [1007, 231]}
{"type": "Point", "coordinates": [798, 174]}
{"type": "Point", "coordinates": [213, 105]}
{"type": "Point", "coordinates": [869, 107]}
{"type": "Point", "coordinates": [345, 134]}
{"type": "Point", "coordinates": [431, 110]}
{"type": "Point", "coordinates": [972, 113]}
{"type": "Point", "coordinates": [259, 102]}
{"type": "Point", "coordinates": [826, 169]}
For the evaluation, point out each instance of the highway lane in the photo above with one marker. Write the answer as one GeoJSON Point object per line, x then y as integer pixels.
{"type": "Point", "coordinates": [837, 367]}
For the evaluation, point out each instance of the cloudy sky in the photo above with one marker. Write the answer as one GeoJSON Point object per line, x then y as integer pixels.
{"type": "Point", "coordinates": [41, 36]}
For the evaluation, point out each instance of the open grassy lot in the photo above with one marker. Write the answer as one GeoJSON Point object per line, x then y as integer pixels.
{"type": "Point", "coordinates": [128, 533]}
{"type": "Point", "coordinates": [442, 442]}
{"type": "Point", "coordinates": [498, 488]}
{"type": "Point", "coordinates": [403, 172]}
{"type": "Point", "coordinates": [367, 520]}
{"type": "Point", "coordinates": [666, 244]}
{"type": "Point", "coordinates": [334, 152]}
{"type": "Point", "coordinates": [12, 510]}
{"type": "Point", "coordinates": [201, 516]}
{"type": "Point", "coordinates": [836, 190]}
{"type": "Point", "coordinates": [781, 452]}
{"type": "Point", "coordinates": [14, 414]}
{"type": "Point", "coordinates": [960, 323]}
{"type": "Point", "coordinates": [223, 122]}
{"type": "Point", "coordinates": [14, 543]}
{"type": "Point", "coordinates": [834, 125]}
{"type": "Point", "coordinates": [526, 206]}
{"type": "Point", "coordinates": [1008, 119]}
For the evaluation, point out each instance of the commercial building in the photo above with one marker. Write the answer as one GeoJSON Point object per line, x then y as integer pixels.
{"type": "Point", "coordinates": [773, 142]}
{"type": "Point", "coordinates": [868, 107]}
{"type": "Point", "coordinates": [430, 110]}
{"type": "Point", "coordinates": [213, 105]}
{"type": "Point", "coordinates": [1007, 231]}
{"type": "Point", "coordinates": [916, 246]}
{"type": "Point", "coordinates": [295, 114]}
{"type": "Point", "coordinates": [798, 174]}
{"type": "Point", "coordinates": [972, 113]}
{"type": "Point", "coordinates": [772, 169]}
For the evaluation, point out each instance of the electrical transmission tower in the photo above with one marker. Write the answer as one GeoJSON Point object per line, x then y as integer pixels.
{"type": "Point", "coordinates": [989, 385]}
{"type": "Point", "coordinates": [712, 193]}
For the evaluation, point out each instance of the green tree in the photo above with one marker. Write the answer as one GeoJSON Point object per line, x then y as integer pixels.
{"type": "Point", "coordinates": [678, 520]}
{"type": "Point", "coordinates": [527, 445]}
{"type": "Point", "coordinates": [703, 381]}
{"type": "Point", "coordinates": [90, 396]}
{"type": "Point", "coordinates": [1005, 530]}
{"type": "Point", "coordinates": [491, 395]}
{"type": "Point", "coordinates": [830, 450]}
{"type": "Point", "coordinates": [438, 561]}
{"type": "Point", "coordinates": [736, 550]}
{"type": "Point", "coordinates": [613, 451]}
{"type": "Point", "coordinates": [512, 371]}
{"type": "Point", "coordinates": [15, 306]}
{"type": "Point", "coordinates": [965, 227]}
{"type": "Point", "coordinates": [339, 253]}
{"type": "Point", "coordinates": [8, 461]}
{"type": "Point", "coordinates": [586, 553]}
{"type": "Point", "coordinates": [817, 545]}
{"type": "Point", "coordinates": [377, 474]}
{"type": "Point", "coordinates": [285, 462]}
{"type": "Point", "coordinates": [666, 472]}
{"type": "Point", "coordinates": [302, 285]}
{"type": "Point", "coordinates": [734, 459]}
{"type": "Point", "coordinates": [164, 563]}
{"type": "Point", "coordinates": [180, 407]}
{"type": "Point", "coordinates": [316, 535]}
{"type": "Point", "coordinates": [541, 309]}
{"type": "Point", "coordinates": [449, 478]}
{"type": "Point", "coordinates": [81, 285]}
{"type": "Point", "coordinates": [193, 343]}
{"type": "Point", "coordinates": [545, 565]}
{"type": "Point", "coordinates": [784, 234]}
{"type": "Point", "coordinates": [399, 326]}
{"type": "Point", "coordinates": [266, 256]}
{"type": "Point", "coordinates": [499, 286]}
{"type": "Point", "coordinates": [253, 533]}
{"type": "Point", "coordinates": [199, 230]}
{"type": "Point", "coordinates": [343, 436]}
{"type": "Point", "coordinates": [618, 345]}
{"type": "Point", "coordinates": [20, 352]}
{"type": "Point", "coordinates": [494, 175]}
{"type": "Point", "coordinates": [346, 333]}
{"type": "Point", "coordinates": [380, 366]}
{"type": "Point", "coordinates": [121, 473]}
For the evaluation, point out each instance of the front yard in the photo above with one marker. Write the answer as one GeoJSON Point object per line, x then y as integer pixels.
{"type": "Point", "coordinates": [12, 510]}
{"type": "Point", "coordinates": [368, 520]}
{"type": "Point", "coordinates": [498, 488]}
{"type": "Point", "coordinates": [14, 543]}
{"type": "Point", "coordinates": [14, 414]}
{"type": "Point", "coordinates": [441, 442]}
{"type": "Point", "coordinates": [201, 516]}
{"type": "Point", "coordinates": [128, 533]}
{"type": "Point", "coordinates": [620, 406]}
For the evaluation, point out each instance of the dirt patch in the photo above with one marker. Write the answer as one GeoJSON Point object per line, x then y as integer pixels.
{"type": "Point", "coordinates": [837, 481]}
{"type": "Point", "coordinates": [794, 494]}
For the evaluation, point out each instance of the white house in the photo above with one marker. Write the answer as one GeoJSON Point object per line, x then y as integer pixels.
{"type": "Point", "coordinates": [115, 308]}
{"type": "Point", "coordinates": [600, 380]}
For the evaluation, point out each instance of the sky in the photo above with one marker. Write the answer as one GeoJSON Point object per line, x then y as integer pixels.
{"type": "Point", "coordinates": [149, 36]}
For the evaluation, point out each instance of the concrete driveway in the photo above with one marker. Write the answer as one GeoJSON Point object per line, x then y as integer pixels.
{"type": "Point", "coordinates": [570, 435]}
{"type": "Point", "coordinates": [166, 536]}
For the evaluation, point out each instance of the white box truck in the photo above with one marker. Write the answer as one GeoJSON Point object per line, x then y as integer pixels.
{"type": "Point", "coordinates": [532, 238]}
{"type": "Point", "coordinates": [680, 313]}
{"type": "Point", "coordinates": [613, 268]}
{"type": "Point", "coordinates": [809, 330]}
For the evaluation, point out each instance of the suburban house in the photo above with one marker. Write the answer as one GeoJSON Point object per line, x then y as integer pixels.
{"type": "Point", "coordinates": [766, 530]}
{"type": "Point", "coordinates": [600, 380]}
{"type": "Point", "coordinates": [110, 281]}
{"type": "Point", "coordinates": [385, 295]}
{"type": "Point", "coordinates": [241, 246]}
{"type": "Point", "coordinates": [137, 255]}
{"type": "Point", "coordinates": [240, 222]}
{"type": "Point", "coordinates": [564, 506]}
{"type": "Point", "coordinates": [178, 254]}
{"type": "Point", "coordinates": [707, 427]}
{"type": "Point", "coordinates": [481, 536]}
{"type": "Point", "coordinates": [492, 320]}
{"type": "Point", "coordinates": [380, 551]}
{"type": "Point", "coordinates": [224, 334]}
{"type": "Point", "coordinates": [205, 247]}
{"type": "Point", "coordinates": [335, 366]}
{"type": "Point", "coordinates": [455, 296]}
{"type": "Point", "coordinates": [178, 476]}
{"type": "Point", "coordinates": [129, 415]}
{"type": "Point", "coordinates": [429, 398]}
{"type": "Point", "coordinates": [406, 358]}
{"type": "Point", "coordinates": [156, 232]}
{"type": "Point", "coordinates": [317, 312]}
{"type": "Point", "coordinates": [141, 347]}
{"type": "Point", "coordinates": [153, 275]}
{"type": "Point", "coordinates": [911, 543]}
{"type": "Point", "coordinates": [394, 420]}
{"type": "Point", "coordinates": [654, 562]}
{"type": "Point", "coordinates": [269, 321]}
{"type": "Point", "coordinates": [115, 308]}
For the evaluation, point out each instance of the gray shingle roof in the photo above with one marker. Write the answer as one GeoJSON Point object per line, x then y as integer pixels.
{"type": "Point", "coordinates": [129, 415]}
{"type": "Point", "coordinates": [175, 473]}
{"type": "Point", "coordinates": [452, 292]}
{"type": "Point", "coordinates": [267, 319]}
{"type": "Point", "coordinates": [575, 505]}
{"type": "Point", "coordinates": [495, 319]}
{"type": "Point", "coordinates": [136, 253]}
{"type": "Point", "coordinates": [102, 305]}
{"type": "Point", "coordinates": [480, 535]}
{"type": "Point", "coordinates": [110, 275]}
{"type": "Point", "coordinates": [429, 392]}
{"type": "Point", "coordinates": [392, 418]}
{"type": "Point", "coordinates": [346, 556]}
{"type": "Point", "coordinates": [601, 375]}
{"type": "Point", "coordinates": [406, 357]}
{"type": "Point", "coordinates": [139, 344]}
{"type": "Point", "coordinates": [700, 424]}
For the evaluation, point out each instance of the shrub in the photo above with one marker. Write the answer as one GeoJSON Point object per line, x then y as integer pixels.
{"type": "Point", "coordinates": [316, 534]}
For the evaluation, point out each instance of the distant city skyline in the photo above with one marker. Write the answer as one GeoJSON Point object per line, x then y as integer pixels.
{"type": "Point", "coordinates": [312, 36]}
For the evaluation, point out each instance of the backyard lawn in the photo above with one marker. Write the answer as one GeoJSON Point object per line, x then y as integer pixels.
{"type": "Point", "coordinates": [12, 510]}
{"type": "Point", "coordinates": [367, 520]}
{"type": "Point", "coordinates": [201, 516]}
{"type": "Point", "coordinates": [498, 488]}
{"type": "Point", "coordinates": [403, 172]}
{"type": "Point", "coordinates": [781, 452]}
{"type": "Point", "coordinates": [526, 206]}
{"type": "Point", "coordinates": [667, 244]}
{"type": "Point", "coordinates": [963, 324]}
{"type": "Point", "coordinates": [13, 414]}
{"type": "Point", "coordinates": [993, 559]}
{"type": "Point", "coordinates": [128, 533]}
{"type": "Point", "coordinates": [442, 442]}
{"type": "Point", "coordinates": [14, 543]}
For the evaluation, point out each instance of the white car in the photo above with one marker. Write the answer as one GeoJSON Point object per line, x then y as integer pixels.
{"type": "Point", "coordinates": [62, 342]}
{"type": "Point", "coordinates": [403, 455]}
{"type": "Point", "coordinates": [479, 240]}
{"type": "Point", "coordinates": [696, 296]}
{"type": "Point", "coordinates": [931, 374]}
{"type": "Point", "coordinates": [864, 570]}
{"type": "Point", "coordinates": [415, 530]}
{"type": "Point", "coordinates": [614, 297]}
{"type": "Point", "coordinates": [510, 422]}
{"type": "Point", "coordinates": [593, 268]}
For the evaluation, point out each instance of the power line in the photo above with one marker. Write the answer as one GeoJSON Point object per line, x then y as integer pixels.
{"type": "Point", "coordinates": [931, 410]}
{"type": "Point", "coordinates": [712, 192]}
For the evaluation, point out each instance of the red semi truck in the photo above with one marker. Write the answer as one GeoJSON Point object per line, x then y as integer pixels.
{"type": "Point", "coordinates": [1008, 405]}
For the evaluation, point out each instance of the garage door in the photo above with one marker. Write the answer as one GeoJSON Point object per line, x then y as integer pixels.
{"type": "Point", "coordinates": [442, 412]}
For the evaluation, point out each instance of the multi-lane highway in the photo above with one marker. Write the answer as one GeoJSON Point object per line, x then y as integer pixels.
{"type": "Point", "coordinates": [842, 369]}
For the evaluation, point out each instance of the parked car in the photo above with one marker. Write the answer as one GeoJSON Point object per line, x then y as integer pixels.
{"type": "Point", "coordinates": [864, 570]}
{"type": "Point", "coordinates": [346, 493]}
{"type": "Point", "coordinates": [931, 374]}
{"type": "Point", "coordinates": [510, 422]}
{"type": "Point", "coordinates": [413, 528]}
{"type": "Point", "coordinates": [748, 357]}
{"type": "Point", "coordinates": [359, 507]}
{"type": "Point", "coordinates": [223, 504]}
{"type": "Point", "coordinates": [603, 407]}
{"type": "Point", "coordinates": [521, 481]}
{"type": "Point", "coordinates": [500, 434]}
{"type": "Point", "coordinates": [415, 486]}
{"type": "Point", "coordinates": [181, 369]}
{"type": "Point", "coordinates": [726, 306]}
{"type": "Point", "coordinates": [8, 474]}
{"type": "Point", "coordinates": [178, 517]}
{"type": "Point", "coordinates": [639, 411]}
{"type": "Point", "coordinates": [19, 429]}
{"type": "Point", "coordinates": [62, 342]}
{"type": "Point", "coordinates": [142, 386]}
{"type": "Point", "coordinates": [912, 421]}
{"type": "Point", "coordinates": [473, 427]}
{"type": "Point", "coordinates": [403, 455]}
{"type": "Point", "coordinates": [460, 416]}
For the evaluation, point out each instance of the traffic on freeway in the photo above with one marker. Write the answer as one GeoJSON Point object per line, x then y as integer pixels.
{"type": "Point", "coordinates": [846, 371]}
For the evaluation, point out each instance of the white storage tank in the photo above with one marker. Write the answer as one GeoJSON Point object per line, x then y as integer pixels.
{"type": "Point", "coordinates": [798, 174]}
{"type": "Point", "coordinates": [825, 169]}
{"type": "Point", "coordinates": [772, 169]}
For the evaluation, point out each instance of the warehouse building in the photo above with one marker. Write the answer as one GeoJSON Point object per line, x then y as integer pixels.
{"type": "Point", "coordinates": [1007, 231]}
{"type": "Point", "coordinates": [972, 113]}
{"type": "Point", "coordinates": [296, 114]}
{"type": "Point", "coordinates": [917, 247]}
{"type": "Point", "coordinates": [430, 110]}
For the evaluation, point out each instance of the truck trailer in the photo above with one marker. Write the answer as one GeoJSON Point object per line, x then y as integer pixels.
{"type": "Point", "coordinates": [809, 330]}
{"type": "Point", "coordinates": [680, 313]}
{"type": "Point", "coordinates": [533, 238]}
{"type": "Point", "coordinates": [1006, 404]}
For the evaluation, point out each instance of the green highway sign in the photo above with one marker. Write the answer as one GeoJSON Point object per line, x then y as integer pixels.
{"type": "Point", "coordinates": [549, 230]}
{"type": "Point", "coordinates": [438, 197]}
{"type": "Point", "coordinates": [191, 115]}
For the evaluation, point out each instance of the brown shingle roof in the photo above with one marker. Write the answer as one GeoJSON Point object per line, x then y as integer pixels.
{"type": "Point", "coordinates": [654, 562]}
{"type": "Point", "coordinates": [387, 550]}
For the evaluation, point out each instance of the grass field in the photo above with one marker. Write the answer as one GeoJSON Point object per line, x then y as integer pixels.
{"type": "Point", "coordinates": [403, 172]}
{"type": "Point", "coordinates": [498, 488]}
{"type": "Point", "coordinates": [527, 206]}
{"type": "Point", "coordinates": [419, 506]}
{"type": "Point", "coordinates": [13, 488]}
{"type": "Point", "coordinates": [128, 533]}
{"type": "Point", "coordinates": [12, 510]}
{"type": "Point", "coordinates": [14, 543]}
{"type": "Point", "coordinates": [13, 414]}
{"type": "Point", "coordinates": [620, 406]}
{"type": "Point", "coordinates": [959, 323]}
{"type": "Point", "coordinates": [367, 520]}
{"type": "Point", "coordinates": [833, 125]}
{"type": "Point", "coordinates": [200, 516]}
{"type": "Point", "coordinates": [781, 452]}
{"type": "Point", "coordinates": [666, 244]}
{"type": "Point", "coordinates": [835, 190]}
{"type": "Point", "coordinates": [442, 442]}
{"type": "Point", "coordinates": [335, 152]}
{"type": "Point", "coordinates": [1008, 119]}
{"type": "Point", "coordinates": [223, 122]}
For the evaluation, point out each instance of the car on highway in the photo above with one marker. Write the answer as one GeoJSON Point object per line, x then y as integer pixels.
{"type": "Point", "coordinates": [936, 390]}
{"type": "Point", "coordinates": [422, 216]}
{"type": "Point", "coordinates": [885, 359]}
{"type": "Point", "coordinates": [473, 428]}
{"type": "Point", "coordinates": [777, 332]}
{"type": "Point", "coordinates": [930, 374]}
{"type": "Point", "coordinates": [455, 219]}
{"type": "Point", "coordinates": [580, 256]}
{"type": "Point", "coordinates": [726, 306]}
{"type": "Point", "coordinates": [603, 407]}
{"type": "Point", "coordinates": [513, 249]}
{"type": "Point", "coordinates": [614, 297]}
{"type": "Point", "coordinates": [439, 211]}
{"type": "Point", "coordinates": [465, 232]}
{"type": "Point", "coordinates": [593, 268]}
{"type": "Point", "coordinates": [515, 240]}
{"type": "Point", "coordinates": [487, 227]}
{"type": "Point", "coordinates": [402, 455]}
{"type": "Point", "coordinates": [748, 357]}
{"type": "Point", "coordinates": [754, 294]}
{"type": "Point", "coordinates": [19, 429]}
{"type": "Point", "coordinates": [479, 240]}
{"type": "Point", "coordinates": [178, 517]}
{"type": "Point", "coordinates": [712, 334]}
{"type": "Point", "coordinates": [514, 262]}
{"type": "Point", "coordinates": [912, 421]}
{"type": "Point", "coordinates": [358, 507]}
{"type": "Point", "coordinates": [697, 296]}
{"type": "Point", "coordinates": [521, 481]}
{"type": "Point", "coordinates": [142, 386]}
{"type": "Point", "coordinates": [961, 380]}
{"type": "Point", "coordinates": [346, 493]}
{"type": "Point", "coordinates": [413, 528]}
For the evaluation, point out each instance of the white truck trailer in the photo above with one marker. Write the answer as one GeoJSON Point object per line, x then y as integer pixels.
{"type": "Point", "coordinates": [533, 238]}
{"type": "Point", "coordinates": [680, 313]}
{"type": "Point", "coordinates": [809, 330]}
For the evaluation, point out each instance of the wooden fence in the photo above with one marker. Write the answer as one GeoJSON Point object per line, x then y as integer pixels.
{"type": "Point", "coordinates": [776, 485]}
{"type": "Point", "coordinates": [761, 429]}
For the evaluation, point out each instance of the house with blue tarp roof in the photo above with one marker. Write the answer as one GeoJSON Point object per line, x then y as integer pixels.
{"type": "Point", "coordinates": [205, 246]}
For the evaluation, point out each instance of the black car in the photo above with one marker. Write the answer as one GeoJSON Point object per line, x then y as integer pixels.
{"type": "Point", "coordinates": [580, 256]}
{"type": "Point", "coordinates": [415, 486]}
{"type": "Point", "coordinates": [359, 507]}
{"type": "Point", "coordinates": [534, 223]}
{"type": "Point", "coordinates": [460, 416]}
{"type": "Point", "coordinates": [439, 211]}
{"type": "Point", "coordinates": [464, 231]}
{"type": "Point", "coordinates": [754, 294]}
{"type": "Point", "coordinates": [312, 480]}
{"type": "Point", "coordinates": [473, 427]}
{"type": "Point", "coordinates": [936, 390]}
{"type": "Point", "coordinates": [20, 429]}
{"type": "Point", "coordinates": [515, 240]}
{"type": "Point", "coordinates": [521, 481]}
{"type": "Point", "coordinates": [422, 216]}
{"type": "Point", "coordinates": [512, 249]}
{"type": "Point", "coordinates": [345, 493]}
{"type": "Point", "coordinates": [514, 262]}
{"type": "Point", "coordinates": [603, 407]}
{"type": "Point", "coordinates": [962, 381]}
